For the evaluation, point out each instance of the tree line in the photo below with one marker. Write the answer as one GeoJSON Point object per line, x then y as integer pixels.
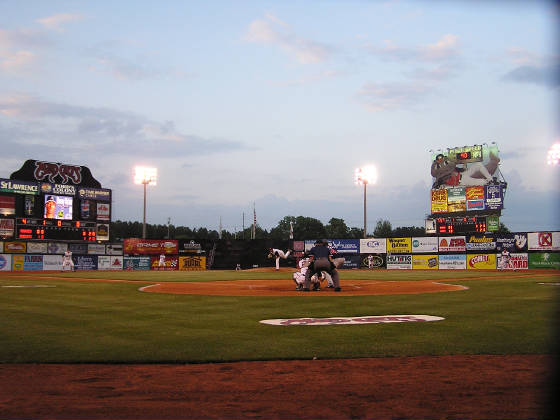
{"type": "Point", "coordinates": [303, 228]}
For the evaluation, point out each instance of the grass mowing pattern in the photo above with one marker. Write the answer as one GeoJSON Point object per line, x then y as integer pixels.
{"type": "Point", "coordinates": [113, 322]}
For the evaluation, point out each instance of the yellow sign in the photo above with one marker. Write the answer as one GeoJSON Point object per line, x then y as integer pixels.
{"type": "Point", "coordinates": [17, 262]}
{"type": "Point", "coordinates": [192, 263]}
{"type": "Point", "coordinates": [424, 262]}
{"type": "Point", "coordinates": [399, 245]}
{"type": "Point", "coordinates": [481, 261]}
{"type": "Point", "coordinates": [439, 201]}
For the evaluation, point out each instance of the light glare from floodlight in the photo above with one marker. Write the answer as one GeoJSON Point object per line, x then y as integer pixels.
{"type": "Point", "coordinates": [553, 156]}
{"type": "Point", "coordinates": [365, 175]}
{"type": "Point", "coordinates": [144, 175]}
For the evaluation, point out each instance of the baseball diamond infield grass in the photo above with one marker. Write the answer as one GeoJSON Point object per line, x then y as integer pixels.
{"type": "Point", "coordinates": [88, 321]}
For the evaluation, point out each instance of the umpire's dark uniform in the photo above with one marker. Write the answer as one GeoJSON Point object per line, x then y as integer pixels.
{"type": "Point", "coordinates": [321, 262]}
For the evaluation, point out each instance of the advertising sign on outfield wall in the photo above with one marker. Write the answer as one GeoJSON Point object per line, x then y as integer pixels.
{"type": "Point", "coordinates": [33, 262]}
{"type": "Point", "coordinates": [481, 261]}
{"type": "Point", "coordinates": [52, 262]}
{"type": "Point", "coordinates": [109, 262]}
{"type": "Point", "coordinates": [399, 262]}
{"type": "Point", "coordinates": [78, 248]}
{"type": "Point", "coordinates": [5, 262]}
{"type": "Point", "coordinates": [150, 246]}
{"type": "Point", "coordinates": [373, 246]}
{"type": "Point", "coordinates": [398, 245]}
{"type": "Point", "coordinates": [114, 249]}
{"type": "Point", "coordinates": [544, 241]}
{"type": "Point", "coordinates": [12, 247]}
{"type": "Point", "coordinates": [345, 246]}
{"type": "Point", "coordinates": [377, 261]}
{"type": "Point", "coordinates": [512, 242]}
{"type": "Point", "coordinates": [517, 261]}
{"type": "Point", "coordinates": [17, 262]}
{"type": "Point", "coordinates": [171, 263]}
{"type": "Point", "coordinates": [452, 244]}
{"type": "Point", "coordinates": [137, 263]}
{"type": "Point", "coordinates": [453, 262]}
{"type": "Point", "coordinates": [37, 247]}
{"type": "Point", "coordinates": [541, 260]}
{"type": "Point", "coordinates": [57, 247]}
{"type": "Point", "coordinates": [192, 263]}
{"type": "Point", "coordinates": [85, 262]}
{"type": "Point", "coordinates": [424, 262]}
{"type": "Point", "coordinates": [425, 244]}
{"type": "Point", "coordinates": [480, 243]}
{"type": "Point", "coordinates": [95, 249]}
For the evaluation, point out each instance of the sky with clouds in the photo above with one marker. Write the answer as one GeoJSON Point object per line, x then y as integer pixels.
{"type": "Point", "coordinates": [275, 103]}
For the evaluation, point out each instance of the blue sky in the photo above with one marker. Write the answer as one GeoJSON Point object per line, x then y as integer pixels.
{"type": "Point", "coordinates": [276, 102]}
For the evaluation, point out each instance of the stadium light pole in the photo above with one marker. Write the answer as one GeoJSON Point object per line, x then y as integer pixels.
{"type": "Point", "coordinates": [364, 176]}
{"type": "Point", "coordinates": [145, 176]}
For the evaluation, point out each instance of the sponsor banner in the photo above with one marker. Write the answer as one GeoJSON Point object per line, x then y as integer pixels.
{"type": "Point", "coordinates": [513, 242]}
{"type": "Point", "coordinates": [424, 262]}
{"type": "Point", "coordinates": [350, 261]}
{"type": "Point", "coordinates": [94, 194]}
{"type": "Point", "coordinates": [456, 199]}
{"type": "Point", "coordinates": [544, 241]}
{"type": "Point", "coordinates": [7, 228]}
{"type": "Point", "coordinates": [373, 246]}
{"type": "Point", "coordinates": [137, 263]}
{"type": "Point", "coordinates": [171, 263]}
{"type": "Point", "coordinates": [60, 189]}
{"type": "Point", "coordinates": [150, 246]}
{"type": "Point", "coordinates": [103, 211]}
{"type": "Point", "coordinates": [492, 223]}
{"type": "Point", "coordinates": [453, 262]}
{"type": "Point", "coordinates": [377, 261]}
{"type": "Point", "coordinates": [345, 246]}
{"type": "Point", "coordinates": [355, 320]}
{"type": "Point", "coordinates": [518, 261]}
{"type": "Point", "coordinates": [102, 233]}
{"type": "Point", "coordinates": [78, 248]}
{"type": "Point", "coordinates": [493, 197]}
{"type": "Point", "coordinates": [481, 261]}
{"type": "Point", "coordinates": [96, 249]}
{"type": "Point", "coordinates": [192, 247]}
{"type": "Point", "coordinates": [438, 200]}
{"type": "Point", "coordinates": [19, 187]}
{"type": "Point", "coordinates": [85, 262]}
{"type": "Point", "coordinates": [481, 243]}
{"type": "Point", "coordinates": [540, 260]}
{"type": "Point", "coordinates": [114, 249]}
{"type": "Point", "coordinates": [399, 245]}
{"type": "Point", "coordinates": [57, 247]}
{"type": "Point", "coordinates": [399, 262]}
{"type": "Point", "coordinates": [7, 205]}
{"type": "Point", "coordinates": [33, 262]}
{"type": "Point", "coordinates": [192, 263]}
{"type": "Point", "coordinates": [109, 262]}
{"type": "Point", "coordinates": [5, 262]}
{"type": "Point", "coordinates": [425, 244]}
{"type": "Point", "coordinates": [299, 246]}
{"type": "Point", "coordinates": [13, 247]}
{"type": "Point", "coordinates": [17, 262]}
{"type": "Point", "coordinates": [52, 262]}
{"type": "Point", "coordinates": [1, 246]}
{"type": "Point", "coordinates": [37, 247]}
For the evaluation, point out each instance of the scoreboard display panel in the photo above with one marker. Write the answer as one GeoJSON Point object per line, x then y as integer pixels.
{"type": "Point", "coordinates": [37, 229]}
{"type": "Point", "coordinates": [452, 225]}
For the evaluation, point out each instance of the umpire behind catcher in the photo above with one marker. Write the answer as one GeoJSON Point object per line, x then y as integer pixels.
{"type": "Point", "coordinates": [320, 261]}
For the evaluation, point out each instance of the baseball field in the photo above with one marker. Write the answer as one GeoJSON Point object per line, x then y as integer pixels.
{"type": "Point", "coordinates": [191, 345]}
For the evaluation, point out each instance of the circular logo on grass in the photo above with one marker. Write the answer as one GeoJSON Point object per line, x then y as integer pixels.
{"type": "Point", "coordinates": [354, 320]}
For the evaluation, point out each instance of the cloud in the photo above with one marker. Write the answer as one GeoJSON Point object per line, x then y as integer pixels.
{"type": "Point", "coordinates": [445, 49]}
{"type": "Point", "coordinates": [17, 61]}
{"type": "Point", "coordinates": [390, 96]}
{"type": "Point", "coordinates": [17, 54]}
{"type": "Point", "coordinates": [273, 31]}
{"type": "Point", "coordinates": [56, 22]}
{"type": "Point", "coordinates": [539, 75]}
{"type": "Point", "coordinates": [78, 130]}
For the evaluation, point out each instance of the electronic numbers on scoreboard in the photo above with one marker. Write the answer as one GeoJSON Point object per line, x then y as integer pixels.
{"type": "Point", "coordinates": [453, 225]}
{"type": "Point", "coordinates": [55, 229]}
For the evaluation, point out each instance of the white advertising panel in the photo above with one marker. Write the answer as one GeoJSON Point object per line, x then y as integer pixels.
{"type": "Point", "coordinates": [399, 262]}
{"type": "Point", "coordinates": [452, 244]}
{"type": "Point", "coordinates": [114, 249]}
{"type": "Point", "coordinates": [544, 241]}
{"type": "Point", "coordinates": [57, 247]}
{"type": "Point", "coordinates": [425, 244]}
{"type": "Point", "coordinates": [373, 246]}
{"type": "Point", "coordinates": [5, 262]}
{"type": "Point", "coordinates": [109, 262]}
{"type": "Point", "coordinates": [96, 249]}
{"type": "Point", "coordinates": [52, 262]}
{"type": "Point", "coordinates": [517, 261]}
{"type": "Point", "coordinates": [37, 247]}
{"type": "Point", "coordinates": [453, 262]}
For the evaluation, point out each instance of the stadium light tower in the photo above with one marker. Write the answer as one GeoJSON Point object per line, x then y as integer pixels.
{"type": "Point", "coordinates": [145, 176]}
{"type": "Point", "coordinates": [364, 176]}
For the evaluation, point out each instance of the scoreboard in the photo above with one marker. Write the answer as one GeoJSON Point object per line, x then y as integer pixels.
{"type": "Point", "coordinates": [69, 230]}
{"type": "Point", "coordinates": [453, 225]}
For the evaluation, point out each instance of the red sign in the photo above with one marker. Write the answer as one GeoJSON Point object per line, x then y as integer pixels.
{"type": "Point", "coordinates": [150, 246]}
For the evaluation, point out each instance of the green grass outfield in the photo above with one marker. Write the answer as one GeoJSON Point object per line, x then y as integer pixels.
{"type": "Point", "coordinates": [93, 322]}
